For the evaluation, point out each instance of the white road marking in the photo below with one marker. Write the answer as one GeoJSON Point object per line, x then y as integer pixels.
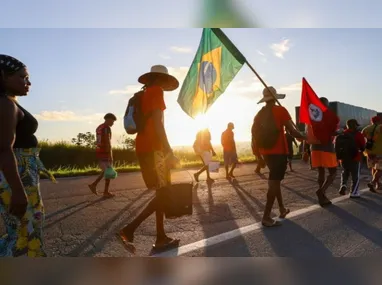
{"type": "Point", "coordinates": [239, 232]}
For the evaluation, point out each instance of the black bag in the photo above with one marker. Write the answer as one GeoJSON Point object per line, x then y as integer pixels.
{"type": "Point", "coordinates": [135, 120]}
{"type": "Point", "coordinates": [177, 200]}
{"type": "Point", "coordinates": [264, 129]}
{"type": "Point", "coordinates": [370, 142]}
{"type": "Point", "coordinates": [346, 147]}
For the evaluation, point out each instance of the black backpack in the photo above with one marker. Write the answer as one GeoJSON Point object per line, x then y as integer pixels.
{"type": "Point", "coordinates": [264, 129]}
{"type": "Point", "coordinates": [135, 120]}
{"type": "Point", "coordinates": [346, 146]}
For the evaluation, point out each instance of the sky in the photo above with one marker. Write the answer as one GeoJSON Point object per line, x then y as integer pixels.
{"type": "Point", "coordinates": [78, 75]}
{"type": "Point", "coordinates": [186, 13]}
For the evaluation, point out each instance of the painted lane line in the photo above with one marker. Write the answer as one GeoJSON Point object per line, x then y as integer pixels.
{"type": "Point", "coordinates": [240, 231]}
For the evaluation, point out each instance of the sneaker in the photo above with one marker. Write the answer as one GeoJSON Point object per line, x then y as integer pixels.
{"type": "Point", "coordinates": [371, 187]}
{"type": "Point", "coordinates": [354, 196]}
{"type": "Point", "coordinates": [342, 190]}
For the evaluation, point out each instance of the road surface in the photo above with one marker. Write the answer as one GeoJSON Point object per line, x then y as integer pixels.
{"type": "Point", "coordinates": [225, 220]}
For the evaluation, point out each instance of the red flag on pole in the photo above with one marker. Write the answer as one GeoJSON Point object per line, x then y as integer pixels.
{"type": "Point", "coordinates": [313, 112]}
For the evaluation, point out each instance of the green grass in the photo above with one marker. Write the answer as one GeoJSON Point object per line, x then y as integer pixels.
{"type": "Point", "coordinates": [67, 160]}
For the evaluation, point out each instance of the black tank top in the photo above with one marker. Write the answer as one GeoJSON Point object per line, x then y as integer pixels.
{"type": "Point", "coordinates": [25, 131]}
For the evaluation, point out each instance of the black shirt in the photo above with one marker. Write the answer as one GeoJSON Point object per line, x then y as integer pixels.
{"type": "Point", "coordinates": [25, 131]}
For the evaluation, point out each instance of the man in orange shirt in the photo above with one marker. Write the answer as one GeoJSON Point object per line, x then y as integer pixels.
{"type": "Point", "coordinates": [104, 153]}
{"type": "Point", "coordinates": [229, 150]}
{"type": "Point", "coordinates": [155, 156]}
{"type": "Point", "coordinates": [270, 142]}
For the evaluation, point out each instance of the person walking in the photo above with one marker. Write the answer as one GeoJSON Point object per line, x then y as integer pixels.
{"type": "Point", "coordinates": [229, 150]}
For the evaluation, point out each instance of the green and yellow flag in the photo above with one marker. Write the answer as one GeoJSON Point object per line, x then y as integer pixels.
{"type": "Point", "coordinates": [216, 63]}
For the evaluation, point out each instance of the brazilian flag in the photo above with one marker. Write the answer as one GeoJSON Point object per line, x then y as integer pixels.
{"type": "Point", "coordinates": [215, 65]}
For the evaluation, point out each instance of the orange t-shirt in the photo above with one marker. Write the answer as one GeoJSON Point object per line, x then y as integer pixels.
{"type": "Point", "coordinates": [281, 117]}
{"type": "Point", "coordinates": [148, 140]}
{"type": "Point", "coordinates": [228, 140]}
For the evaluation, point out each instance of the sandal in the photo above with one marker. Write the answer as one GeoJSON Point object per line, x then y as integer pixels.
{"type": "Point", "coordinates": [127, 241]}
{"type": "Point", "coordinates": [170, 244]}
{"type": "Point", "coordinates": [271, 224]}
{"type": "Point", "coordinates": [284, 214]}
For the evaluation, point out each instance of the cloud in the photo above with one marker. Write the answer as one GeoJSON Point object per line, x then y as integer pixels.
{"type": "Point", "coordinates": [129, 90]}
{"type": "Point", "coordinates": [281, 48]}
{"type": "Point", "coordinates": [245, 88]}
{"type": "Point", "coordinates": [292, 87]}
{"type": "Point", "coordinates": [67, 116]}
{"type": "Point", "coordinates": [260, 53]}
{"type": "Point", "coordinates": [181, 49]}
{"type": "Point", "coordinates": [164, 56]}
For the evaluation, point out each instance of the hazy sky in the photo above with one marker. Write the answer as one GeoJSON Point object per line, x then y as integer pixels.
{"type": "Point", "coordinates": [78, 75]}
{"type": "Point", "coordinates": [183, 13]}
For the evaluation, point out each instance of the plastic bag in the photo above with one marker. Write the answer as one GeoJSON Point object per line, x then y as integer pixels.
{"type": "Point", "coordinates": [110, 173]}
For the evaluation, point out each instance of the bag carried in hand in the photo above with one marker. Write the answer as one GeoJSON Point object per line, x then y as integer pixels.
{"type": "Point", "coordinates": [346, 146]}
{"type": "Point", "coordinates": [134, 120]}
{"type": "Point", "coordinates": [177, 200]}
{"type": "Point", "coordinates": [110, 173]}
{"type": "Point", "coordinates": [265, 132]}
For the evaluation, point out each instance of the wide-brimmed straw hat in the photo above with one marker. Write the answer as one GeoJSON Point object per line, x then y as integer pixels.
{"type": "Point", "coordinates": [166, 81]}
{"type": "Point", "coordinates": [267, 96]}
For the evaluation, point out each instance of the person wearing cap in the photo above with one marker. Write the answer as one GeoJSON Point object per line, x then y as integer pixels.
{"type": "Point", "coordinates": [352, 166]}
{"type": "Point", "coordinates": [229, 150]}
{"type": "Point", "coordinates": [323, 156]}
{"type": "Point", "coordinates": [155, 156]}
{"type": "Point", "coordinates": [104, 153]}
{"type": "Point", "coordinates": [372, 133]}
{"type": "Point", "coordinates": [276, 156]}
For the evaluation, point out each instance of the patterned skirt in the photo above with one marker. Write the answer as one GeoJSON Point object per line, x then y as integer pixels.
{"type": "Point", "coordinates": [24, 237]}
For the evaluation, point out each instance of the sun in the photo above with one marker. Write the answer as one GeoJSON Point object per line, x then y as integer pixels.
{"type": "Point", "coordinates": [201, 121]}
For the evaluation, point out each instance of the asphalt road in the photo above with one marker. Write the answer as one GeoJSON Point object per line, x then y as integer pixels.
{"type": "Point", "coordinates": [225, 220]}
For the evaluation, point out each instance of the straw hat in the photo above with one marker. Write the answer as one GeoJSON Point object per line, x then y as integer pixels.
{"type": "Point", "coordinates": [267, 96]}
{"type": "Point", "coordinates": [166, 81]}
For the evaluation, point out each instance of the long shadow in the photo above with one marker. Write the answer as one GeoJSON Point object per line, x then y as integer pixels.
{"type": "Point", "coordinates": [370, 204]}
{"type": "Point", "coordinates": [250, 209]}
{"type": "Point", "coordinates": [283, 239]}
{"type": "Point", "coordinates": [51, 215]}
{"type": "Point", "coordinates": [209, 231]}
{"type": "Point", "coordinates": [369, 232]}
{"type": "Point", "coordinates": [72, 213]}
{"type": "Point", "coordinates": [305, 177]}
{"type": "Point", "coordinates": [306, 197]}
{"type": "Point", "coordinates": [107, 225]}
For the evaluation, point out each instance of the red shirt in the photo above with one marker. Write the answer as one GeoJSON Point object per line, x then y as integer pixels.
{"type": "Point", "coordinates": [360, 142]}
{"type": "Point", "coordinates": [281, 118]}
{"type": "Point", "coordinates": [103, 137]}
{"type": "Point", "coordinates": [148, 140]}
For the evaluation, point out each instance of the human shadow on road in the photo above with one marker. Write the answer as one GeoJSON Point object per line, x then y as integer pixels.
{"type": "Point", "coordinates": [278, 238]}
{"type": "Point", "coordinates": [304, 196]}
{"type": "Point", "coordinates": [242, 193]}
{"type": "Point", "coordinates": [89, 204]}
{"type": "Point", "coordinates": [219, 219]}
{"type": "Point", "coordinates": [99, 242]}
{"type": "Point", "coordinates": [371, 233]}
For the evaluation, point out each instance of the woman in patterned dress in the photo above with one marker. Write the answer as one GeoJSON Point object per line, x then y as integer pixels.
{"type": "Point", "coordinates": [21, 206]}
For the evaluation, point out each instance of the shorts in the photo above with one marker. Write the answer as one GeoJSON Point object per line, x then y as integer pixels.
{"type": "Point", "coordinates": [104, 163]}
{"type": "Point", "coordinates": [230, 157]}
{"type": "Point", "coordinates": [374, 162]}
{"type": "Point", "coordinates": [155, 172]}
{"type": "Point", "coordinates": [323, 159]}
{"type": "Point", "coordinates": [206, 157]}
{"type": "Point", "coordinates": [277, 164]}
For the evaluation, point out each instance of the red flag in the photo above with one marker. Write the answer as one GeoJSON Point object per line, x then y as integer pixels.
{"type": "Point", "coordinates": [313, 112]}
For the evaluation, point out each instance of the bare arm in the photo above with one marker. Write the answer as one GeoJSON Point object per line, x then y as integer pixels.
{"type": "Point", "coordinates": [157, 116]}
{"type": "Point", "coordinates": [293, 131]}
{"type": "Point", "coordinates": [8, 164]}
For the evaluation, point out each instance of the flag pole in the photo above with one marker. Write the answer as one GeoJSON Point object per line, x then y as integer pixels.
{"type": "Point", "coordinates": [238, 53]}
